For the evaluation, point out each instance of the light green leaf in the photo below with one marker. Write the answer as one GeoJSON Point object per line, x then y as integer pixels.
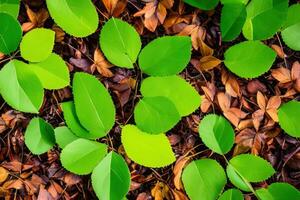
{"type": "Point", "coordinates": [120, 43]}
{"type": "Point", "coordinates": [203, 179]}
{"type": "Point", "coordinates": [111, 178]}
{"type": "Point", "coordinates": [37, 44]}
{"type": "Point", "coordinates": [10, 7]}
{"type": "Point", "coordinates": [94, 106]}
{"type": "Point", "coordinates": [264, 18]}
{"type": "Point", "coordinates": [288, 115]}
{"type": "Point", "coordinates": [165, 56]}
{"type": "Point", "coordinates": [278, 191]}
{"type": "Point", "coordinates": [72, 121]}
{"type": "Point", "coordinates": [249, 59]}
{"type": "Point", "coordinates": [20, 87]}
{"type": "Point", "coordinates": [239, 174]}
{"type": "Point", "coordinates": [232, 194]}
{"type": "Point", "coordinates": [184, 96]}
{"type": "Point", "coordinates": [203, 4]}
{"type": "Point", "coordinates": [39, 136]}
{"type": "Point", "coordinates": [233, 17]}
{"type": "Point", "coordinates": [64, 136]}
{"type": "Point", "coordinates": [82, 156]}
{"type": "Point", "coordinates": [78, 18]}
{"type": "Point", "coordinates": [156, 114]}
{"type": "Point", "coordinates": [52, 72]}
{"type": "Point", "coordinates": [10, 33]}
{"type": "Point", "coordinates": [291, 32]}
{"type": "Point", "coordinates": [147, 149]}
{"type": "Point", "coordinates": [234, 1]}
{"type": "Point", "coordinates": [216, 133]}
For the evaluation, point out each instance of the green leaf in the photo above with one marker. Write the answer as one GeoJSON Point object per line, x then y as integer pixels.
{"type": "Point", "coordinates": [216, 133]}
{"type": "Point", "coordinates": [20, 87]}
{"type": "Point", "coordinates": [203, 4]}
{"type": "Point", "coordinates": [120, 43]}
{"type": "Point", "coordinates": [239, 174]}
{"type": "Point", "coordinates": [39, 136]}
{"type": "Point", "coordinates": [232, 194]}
{"type": "Point", "coordinates": [156, 114]}
{"type": "Point", "coordinates": [234, 1]}
{"type": "Point", "coordinates": [94, 106]}
{"type": "Point", "coordinates": [78, 18]}
{"type": "Point", "coordinates": [10, 7]}
{"type": "Point", "coordinates": [291, 32]}
{"type": "Point", "coordinates": [278, 191]}
{"type": "Point", "coordinates": [233, 17]}
{"type": "Point", "coordinates": [264, 18]}
{"type": "Point", "coordinates": [37, 44]}
{"type": "Point", "coordinates": [147, 149]}
{"type": "Point", "coordinates": [111, 178]}
{"type": "Point", "coordinates": [64, 136]}
{"type": "Point", "coordinates": [10, 33]}
{"type": "Point", "coordinates": [249, 59]}
{"type": "Point", "coordinates": [288, 116]}
{"type": "Point", "coordinates": [72, 121]}
{"type": "Point", "coordinates": [52, 72]}
{"type": "Point", "coordinates": [164, 86]}
{"type": "Point", "coordinates": [203, 179]}
{"type": "Point", "coordinates": [82, 156]}
{"type": "Point", "coordinates": [165, 56]}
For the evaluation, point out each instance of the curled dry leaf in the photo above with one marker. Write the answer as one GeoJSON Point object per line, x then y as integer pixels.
{"type": "Point", "coordinates": [231, 84]}
{"type": "Point", "coordinates": [248, 139]}
{"type": "Point", "coordinates": [13, 184]}
{"type": "Point", "coordinates": [197, 34]}
{"type": "Point", "coordinates": [279, 51]}
{"type": "Point", "coordinates": [101, 64]}
{"type": "Point", "coordinates": [115, 7]}
{"type": "Point", "coordinates": [208, 63]}
{"type": "Point", "coordinates": [154, 13]}
{"type": "Point", "coordinates": [281, 74]}
{"type": "Point", "coordinates": [177, 171]}
{"type": "Point", "coordinates": [208, 99]}
{"type": "Point", "coordinates": [36, 19]}
{"type": "Point", "coordinates": [178, 195]}
{"type": "Point", "coordinates": [161, 191]}
{"type": "Point", "coordinates": [3, 174]}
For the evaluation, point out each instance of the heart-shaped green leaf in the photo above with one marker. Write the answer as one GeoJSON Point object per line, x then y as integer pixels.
{"type": "Point", "coordinates": [10, 33]}
{"type": "Point", "coordinates": [249, 59]}
{"type": "Point", "coordinates": [147, 149]}
{"type": "Point", "coordinates": [203, 4]}
{"type": "Point", "coordinates": [156, 114]}
{"type": "Point", "coordinates": [10, 7]}
{"type": "Point", "coordinates": [232, 194]}
{"type": "Point", "coordinates": [52, 72]}
{"type": "Point", "coordinates": [203, 179]}
{"type": "Point", "coordinates": [233, 17]}
{"type": "Point", "coordinates": [174, 88]}
{"type": "Point", "coordinates": [111, 177]}
{"type": "Point", "coordinates": [291, 32]}
{"type": "Point", "coordinates": [264, 18]}
{"type": "Point", "coordinates": [72, 121]}
{"type": "Point", "coordinates": [216, 133]}
{"type": "Point", "coordinates": [278, 191]}
{"type": "Point", "coordinates": [120, 43]}
{"type": "Point", "coordinates": [82, 156]}
{"type": "Point", "coordinates": [166, 56]}
{"type": "Point", "coordinates": [37, 44]}
{"type": "Point", "coordinates": [20, 87]}
{"type": "Point", "coordinates": [288, 116]}
{"type": "Point", "coordinates": [64, 136]}
{"type": "Point", "coordinates": [239, 174]}
{"type": "Point", "coordinates": [94, 106]}
{"type": "Point", "coordinates": [78, 18]}
{"type": "Point", "coordinates": [39, 136]}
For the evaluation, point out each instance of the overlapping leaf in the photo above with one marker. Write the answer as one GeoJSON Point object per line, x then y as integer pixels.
{"type": "Point", "coordinates": [288, 115]}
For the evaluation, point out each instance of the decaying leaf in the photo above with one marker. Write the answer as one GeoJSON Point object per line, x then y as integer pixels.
{"type": "Point", "coordinates": [115, 7]}
{"type": "Point", "coordinates": [3, 174]}
{"type": "Point", "coordinates": [36, 19]}
{"type": "Point", "coordinates": [161, 191]}
{"type": "Point", "coordinates": [101, 64]}
{"type": "Point", "coordinates": [179, 165]}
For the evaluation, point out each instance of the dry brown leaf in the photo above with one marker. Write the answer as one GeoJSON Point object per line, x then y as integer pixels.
{"type": "Point", "coordinates": [101, 64]}
{"type": "Point", "coordinates": [208, 63]}
{"type": "Point", "coordinates": [3, 174]}
{"type": "Point", "coordinates": [272, 107]}
{"type": "Point", "coordinates": [278, 50]}
{"type": "Point", "coordinates": [177, 171]}
{"type": "Point", "coordinates": [59, 33]}
{"type": "Point", "coordinates": [224, 101]}
{"type": "Point", "coordinates": [161, 191]}
{"type": "Point", "coordinates": [261, 101]}
{"type": "Point", "coordinates": [258, 117]}
{"type": "Point", "coordinates": [13, 184]}
{"type": "Point", "coordinates": [281, 74]}
{"type": "Point", "coordinates": [36, 19]}
{"type": "Point", "coordinates": [71, 179]}
{"type": "Point", "coordinates": [44, 194]}
{"type": "Point", "coordinates": [247, 139]}
{"type": "Point", "coordinates": [178, 195]}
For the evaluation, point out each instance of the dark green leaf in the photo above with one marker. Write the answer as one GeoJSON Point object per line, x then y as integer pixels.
{"type": "Point", "coordinates": [10, 7]}
{"type": "Point", "coordinates": [203, 4]}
